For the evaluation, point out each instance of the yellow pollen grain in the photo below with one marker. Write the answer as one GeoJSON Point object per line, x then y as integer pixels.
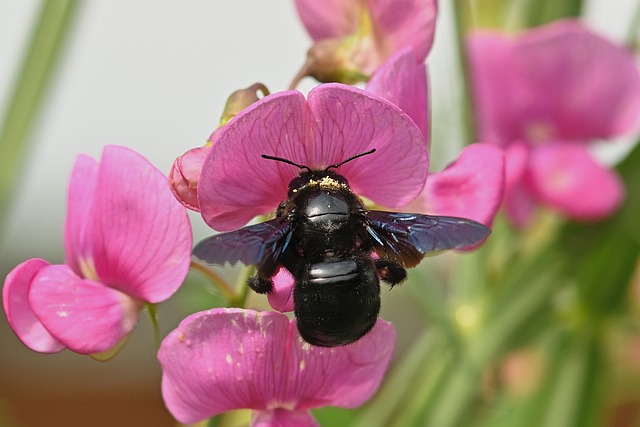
{"type": "Point", "coordinates": [326, 182]}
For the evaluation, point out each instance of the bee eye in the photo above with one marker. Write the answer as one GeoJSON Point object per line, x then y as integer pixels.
{"type": "Point", "coordinates": [296, 183]}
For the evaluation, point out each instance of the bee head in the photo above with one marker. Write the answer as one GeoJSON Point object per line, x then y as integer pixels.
{"type": "Point", "coordinates": [317, 178]}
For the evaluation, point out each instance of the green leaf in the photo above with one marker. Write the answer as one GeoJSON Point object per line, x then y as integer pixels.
{"type": "Point", "coordinates": [570, 389]}
{"type": "Point", "coordinates": [602, 257]}
{"type": "Point", "coordinates": [539, 12]}
{"type": "Point", "coordinates": [413, 377]}
{"type": "Point", "coordinates": [574, 393]}
{"type": "Point", "coordinates": [510, 15]}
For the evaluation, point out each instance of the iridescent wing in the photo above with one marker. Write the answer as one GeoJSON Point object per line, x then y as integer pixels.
{"type": "Point", "coordinates": [406, 238]}
{"type": "Point", "coordinates": [260, 244]}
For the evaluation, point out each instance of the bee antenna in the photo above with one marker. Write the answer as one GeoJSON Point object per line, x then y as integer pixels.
{"type": "Point", "coordinates": [373, 150]}
{"type": "Point", "coordinates": [283, 160]}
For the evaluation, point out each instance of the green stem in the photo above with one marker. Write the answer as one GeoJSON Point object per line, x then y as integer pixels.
{"type": "Point", "coordinates": [408, 379]}
{"type": "Point", "coordinates": [634, 27]}
{"type": "Point", "coordinates": [540, 12]}
{"type": "Point", "coordinates": [563, 400]}
{"type": "Point", "coordinates": [152, 312]}
{"type": "Point", "coordinates": [240, 298]}
{"type": "Point", "coordinates": [461, 21]}
{"type": "Point", "coordinates": [33, 78]}
{"type": "Point", "coordinates": [217, 280]}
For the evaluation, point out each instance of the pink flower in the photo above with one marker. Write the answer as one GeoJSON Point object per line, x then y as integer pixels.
{"type": "Point", "coordinates": [402, 80]}
{"type": "Point", "coordinates": [472, 186]}
{"type": "Point", "coordinates": [334, 123]}
{"type": "Point", "coordinates": [226, 359]}
{"type": "Point", "coordinates": [127, 243]}
{"type": "Point", "coordinates": [354, 37]}
{"type": "Point", "coordinates": [185, 171]}
{"type": "Point", "coordinates": [543, 96]}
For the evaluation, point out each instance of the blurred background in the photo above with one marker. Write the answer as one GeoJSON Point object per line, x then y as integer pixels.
{"type": "Point", "coordinates": [154, 76]}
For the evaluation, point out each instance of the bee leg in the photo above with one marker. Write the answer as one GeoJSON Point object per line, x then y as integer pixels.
{"type": "Point", "coordinates": [390, 272]}
{"type": "Point", "coordinates": [260, 284]}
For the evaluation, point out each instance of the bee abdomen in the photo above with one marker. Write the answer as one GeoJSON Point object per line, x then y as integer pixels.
{"type": "Point", "coordinates": [337, 301]}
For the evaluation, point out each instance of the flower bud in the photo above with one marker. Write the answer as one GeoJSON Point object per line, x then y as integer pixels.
{"type": "Point", "coordinates": [241, 99]}
{"type": "Point", "coordinates": [184, 177]}
{"type": "Point", "coordinates": [332, 60]}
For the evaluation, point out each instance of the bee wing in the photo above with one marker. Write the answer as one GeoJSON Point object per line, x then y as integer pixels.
{"type": "Point", "coordinates": [406, 238]}
{"type": "Point", "coordinates": [259, 244]}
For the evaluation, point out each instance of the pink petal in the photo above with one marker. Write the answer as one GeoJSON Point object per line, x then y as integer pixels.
{"type": "Point", "coordinates": [237, 184]}
{"type": "Point", "coordinates": [336, 122]}
{"type": "Point", "coordinates": [281, 298]}
{"type": "Point", "coordinates": [184, 177]}
{"type": "Point", "coordinates": [557, 81]}
{"type": "Point", "coordinates": [23, 321]}
{"type": "Point", "coordinates": [330, 18]}
{"type": "Point", "coordinates": [407, 23]}
{"type": "Point", "coordinates": [500, 97]}
{"type": "Point", "coordinates": [471, 187]}
{"type": "Point", "coordinates": [226, 359]}
{"type": "Point", "coordinates": [86, 316]}
{"type": "Point", "coordinates": [80, 196]}
{"type": "Point", "coordinates": [142, 236]}
{"type": "Point", "coordinates": [402, 79]}
{"type": "Point", "coordinates": [395, 25]}
{"type": "Point", "coordinates": [592, 85]}
{"type": "Point", "coordinates": [283, 417]}
{"type": "Point", "coordinates": [348, 121]}
{"type": "Point", "coordinates": [519, 200]}
{"type": "Point", "coordinates": [567, 178]}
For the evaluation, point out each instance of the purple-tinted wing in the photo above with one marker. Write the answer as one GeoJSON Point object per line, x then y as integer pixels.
{"type": "Point", "coordinates": [406, 238]}
{"type": "Point", "coordinates": [260, 245]}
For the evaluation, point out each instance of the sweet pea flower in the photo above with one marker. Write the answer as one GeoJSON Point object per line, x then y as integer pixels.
{"type": "Point", "coordinates": [353, 38]}
{"type": "Point", "coordinates": [226, 359]}
{"type": "Point", "coordinates": [185, 171]}
{"type": "Point", "coordinates": [334, 123]}
{"type": "Point", "coordinates": [127, 243]}
{"type": "Point", "coordinates": [543, 96]}
{"type": "Point", "coordinates": [470, 187]}
{"type": "Point", "coordinates": [185, 175]}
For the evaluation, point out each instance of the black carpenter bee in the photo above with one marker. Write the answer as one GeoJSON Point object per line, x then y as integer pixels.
{"type": "Point", "coordinates": [325, 236]}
